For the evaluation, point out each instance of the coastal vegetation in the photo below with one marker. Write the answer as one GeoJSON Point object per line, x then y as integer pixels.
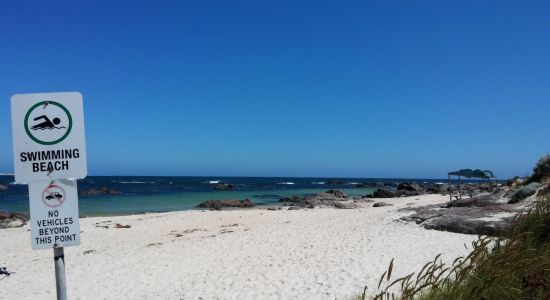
{"type": "Point", "coordinates": [541, 171]}
{"type": "Point", "coordinates": [514, 265]}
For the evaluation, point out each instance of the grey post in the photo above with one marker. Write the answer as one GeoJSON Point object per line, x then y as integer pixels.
{"type": "Point", "coordinates": [59, 260]}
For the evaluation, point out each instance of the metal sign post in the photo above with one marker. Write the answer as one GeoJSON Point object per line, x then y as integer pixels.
{"type": "Point", "coordinates": [50, 154]}
{"type": "Point", "coordinates": [60, 283]}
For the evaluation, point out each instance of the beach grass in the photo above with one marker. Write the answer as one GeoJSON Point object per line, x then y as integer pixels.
{"type": "Point", "coordinates": [513, 266]}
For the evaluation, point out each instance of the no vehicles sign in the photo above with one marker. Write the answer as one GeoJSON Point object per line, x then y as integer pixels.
{"type": "Point", "coordinates": [54, 214]}
{"type": "Point", "coordinates": [48, 136]}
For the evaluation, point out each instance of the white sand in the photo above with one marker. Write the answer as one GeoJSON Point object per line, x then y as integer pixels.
{"type": "Point", "coordinates": [297, 254]}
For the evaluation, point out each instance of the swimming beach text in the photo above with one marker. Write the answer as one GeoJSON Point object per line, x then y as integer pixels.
{"type": "Point", "coordinates": [51, 160]}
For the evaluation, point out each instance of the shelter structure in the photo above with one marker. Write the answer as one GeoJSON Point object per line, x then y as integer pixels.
{"type": "Point", "coordinates": [469, 173]}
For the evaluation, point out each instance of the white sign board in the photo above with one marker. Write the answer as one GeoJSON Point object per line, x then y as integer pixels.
{"type": "Point", "coordinates": [48, 136]}
{"type": "Point", "coordinates": [54, 214]}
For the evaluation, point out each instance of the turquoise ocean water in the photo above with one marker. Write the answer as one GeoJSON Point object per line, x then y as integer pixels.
{"type": "Point", "coordinates": [160, 194]}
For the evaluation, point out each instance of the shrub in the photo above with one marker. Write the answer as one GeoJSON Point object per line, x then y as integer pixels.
{"type": "Point", "coordinates": [524, 191]}
{"type": "Point", "coordinates": [541, 171]}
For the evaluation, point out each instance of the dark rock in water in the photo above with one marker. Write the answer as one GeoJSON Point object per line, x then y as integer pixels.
{"type": "Point", "coordinates": [381, 204]}
{"type": "Point", "coordinates": [12, 220]}
{"type": "Point", "coordinates": [335, 181]}
{"type": "Point", "coordinates": [3, 187]}
{"type": "Point", "coordinates": [381, 193]}
{"type": "Point", "coordinates": [294, 199]}
{"type": "Point", "coordinates": [100, 191]}
{"type": "Point", "coordinates": [224, 187]}
{"type": "Point", "coordinates": [363, 185]}
{"type": "Point", "coordinates": [404, 186]}
{"type": "Point", "coordinates": [218, 204]}
{"type": "Point", "coordinates": [337, 193]}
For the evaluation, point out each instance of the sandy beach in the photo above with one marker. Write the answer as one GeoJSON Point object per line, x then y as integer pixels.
{"type": "Point", "coordinates": [321, 253]}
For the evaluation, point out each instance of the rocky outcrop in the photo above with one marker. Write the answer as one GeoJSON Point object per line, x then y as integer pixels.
{"type": "Point", "coordinates": [100, 191]}
{"type": "Point", "coordinates": [12, 220]}
{"type": "Point", "coordinates": [381, 193]}
{"type": "Point", "coordinates": [409, 189]}
{"type": "Point", "coordinates": [405, 186]}
{"type": "Point", "coordinates": [224, 187]}
{"type": "Point", "coordinates": [330, 198]}
{"type": "Point", "coordinates": [437, 189]}
{"type": "Point", "coordinates": [219, 204]}
{"type": "Point", "coordinates": [487, 214]}
{"type": "Point", "coordinates": [337, 193]}
{"type": "Point", "coordinates": [381, 204]}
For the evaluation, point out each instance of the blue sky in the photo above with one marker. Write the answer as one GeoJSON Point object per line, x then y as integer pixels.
{"type": "Point", "coordinates": [289, 88]}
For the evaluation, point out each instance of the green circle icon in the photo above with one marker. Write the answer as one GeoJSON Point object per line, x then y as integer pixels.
{"type": "Point", "coordinates": [45, 104]}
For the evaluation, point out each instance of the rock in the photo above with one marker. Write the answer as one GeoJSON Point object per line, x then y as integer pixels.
{"type": "Point", "coordinates": [335, 182]}
{"type": "Point", "coordinates": [333, 198]}
{"type": "Point", "coordinates": [381, 204]}
{"type": "Point", "coordinates": [337, 193]}
{"type": "Point", "coordinates": [382, 193]}
{"type": "Point", "coordinates": [12, 220]}
{"type": "Point", "coordinates": [100, 191]}
{"type": "Point", "coordinates": [218, 204]}
{"type": "Point", "coordinates": [224, 187]}
{"type": "Point", "coordinates": [482, 214]}
{"type": "Point", "coordinates": [344, 204]}
{"type": "Point", "coordinates": [295, 199]}
{"type": "Point", "coordinates": [407, 187]}
{"type": "Point", "coordinates": [480, 200]}
{"type": "Point", "coordinates": [122, 226]}
{"type": "Point", "coordinates": [3, 187]}
{"type": "Point", "coordinates": [437, 189]}
{"type": "Point", "coordinates": [363, 185]}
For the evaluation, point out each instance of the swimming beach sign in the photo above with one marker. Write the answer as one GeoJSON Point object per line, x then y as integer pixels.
{"type": "Point", "coordinates": [48, 136]}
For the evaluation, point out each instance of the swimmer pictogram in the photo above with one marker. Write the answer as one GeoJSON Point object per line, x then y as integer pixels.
{"type": "Point", "coordinates": [48, 122]}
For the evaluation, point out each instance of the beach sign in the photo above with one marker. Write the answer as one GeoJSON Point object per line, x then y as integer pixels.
{"type": "Point", "coordinates": [54, 214]}
{"type": "Point", "coordinates": [49, 153]}
{"type": "Point", "coordinates": [48, 136]}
